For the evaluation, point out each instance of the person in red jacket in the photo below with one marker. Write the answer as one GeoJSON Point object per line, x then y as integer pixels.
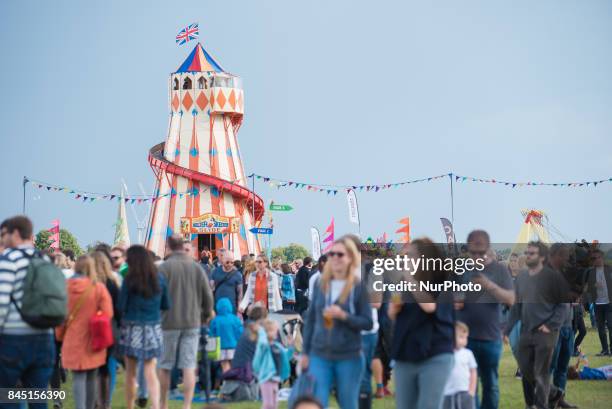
{"type": "Point", "coordinates": [86, 296]}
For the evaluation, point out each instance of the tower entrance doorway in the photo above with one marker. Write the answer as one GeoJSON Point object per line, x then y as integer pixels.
{"type": "Point", "coordinates": [207, 241]}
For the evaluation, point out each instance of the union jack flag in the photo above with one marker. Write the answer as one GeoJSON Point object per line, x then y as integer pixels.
{"type": "Point", "coordinates": [191, 32]}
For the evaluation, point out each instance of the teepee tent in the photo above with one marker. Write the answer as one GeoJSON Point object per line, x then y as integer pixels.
{"type": "Point", "coordinates": [532, 229]}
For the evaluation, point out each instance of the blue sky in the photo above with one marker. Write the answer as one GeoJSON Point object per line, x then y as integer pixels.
{"type": "Point", "coordinates": [342, 92]}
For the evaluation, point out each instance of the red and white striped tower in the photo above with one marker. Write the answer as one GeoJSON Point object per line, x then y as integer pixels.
{"type": "Point", "coordinates": [202, 191]}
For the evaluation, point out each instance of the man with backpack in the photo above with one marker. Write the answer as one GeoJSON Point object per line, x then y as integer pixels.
{"type": "Point", "coordinates": [27, 314]}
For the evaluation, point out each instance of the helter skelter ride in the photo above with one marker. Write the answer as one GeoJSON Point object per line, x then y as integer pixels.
{"type": "Point", "coordinates": [201, 187]}
{"type": "Point", "coordinates": [535, 227]}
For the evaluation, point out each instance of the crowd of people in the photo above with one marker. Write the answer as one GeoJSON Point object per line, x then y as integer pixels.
{"type": "Point", "coordinates": [250, 327]}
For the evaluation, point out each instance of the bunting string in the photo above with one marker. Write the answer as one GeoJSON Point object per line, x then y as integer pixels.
{"type": "Point", "coordinates": [594, 183]}
{"type": "Point", "coordinates": [329, 189]}
{"type": "Point", "coordinates": [334, 189]}
{"type": "Point", "coordinates": [89, 197]}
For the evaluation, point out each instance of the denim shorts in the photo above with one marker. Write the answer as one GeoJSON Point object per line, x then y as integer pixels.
{"type": "Point", "coordinates": [180, 349]}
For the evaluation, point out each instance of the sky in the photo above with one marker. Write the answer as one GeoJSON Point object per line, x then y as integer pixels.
{"type": "Point", "coordinates": [342, 92]}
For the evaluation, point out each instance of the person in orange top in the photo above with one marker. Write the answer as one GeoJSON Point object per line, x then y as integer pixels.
{"type": "Point", "coordinates": [86, 296]}
{"type": "Point", "coordinates": [262, 287]}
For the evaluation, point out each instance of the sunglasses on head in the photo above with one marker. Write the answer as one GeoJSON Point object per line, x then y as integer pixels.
{"type": "Point", "coordinates": [338, 254]}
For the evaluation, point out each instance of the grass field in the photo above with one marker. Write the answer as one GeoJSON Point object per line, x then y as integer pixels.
{"type": "Point", "coordinates": [587, 394]}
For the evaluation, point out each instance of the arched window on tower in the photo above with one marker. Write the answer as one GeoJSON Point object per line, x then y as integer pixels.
{"type": "Point", "coordinates": [187, 83]}
{"type": "Point", "coordinates": [202, 83]}
{"type": "Point", "coordinates": [176, 85]}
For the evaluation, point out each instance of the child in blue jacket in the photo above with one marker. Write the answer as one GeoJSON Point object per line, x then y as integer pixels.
{"type": "Point", "coordinates": [227, 326]}
{"type": "Point", "coordinates": [270, 363]}
{"type": "Point", "coordinates": [287, 287]}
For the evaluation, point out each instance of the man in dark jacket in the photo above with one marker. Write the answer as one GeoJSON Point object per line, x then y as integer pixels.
{"type": "Point", "coordinates": [600, 293]}
{"type": "Point", "coordinates": [301, 285]}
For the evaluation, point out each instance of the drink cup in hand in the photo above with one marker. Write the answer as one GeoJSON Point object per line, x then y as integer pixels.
{"type": "Point", "coordinates": [328, 321]}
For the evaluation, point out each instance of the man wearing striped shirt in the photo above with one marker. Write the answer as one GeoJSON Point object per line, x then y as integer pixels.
{"type": "Point", "coordinates": [26, 353]}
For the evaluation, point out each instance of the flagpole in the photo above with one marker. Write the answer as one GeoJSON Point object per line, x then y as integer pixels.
{"type": "Point", "coordinates": [271, 225]}
{"type": "Point", "coordinates": [358, 216]}
{"type": "Point", "coordinates": [256, 239]}
{"type": "Point", "coordinates": [253, 191]}
{"type": "Point", "coordinates": [23, 207]}
{"type": "Point", "coordinates": [450, 175]}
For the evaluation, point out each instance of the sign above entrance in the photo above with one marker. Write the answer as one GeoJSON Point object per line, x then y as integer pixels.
{"type": "Point", "coordinates": [209, 223]}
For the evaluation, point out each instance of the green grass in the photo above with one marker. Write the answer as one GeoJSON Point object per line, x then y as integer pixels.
{"type": "Point", "coordinates": [586, 394]}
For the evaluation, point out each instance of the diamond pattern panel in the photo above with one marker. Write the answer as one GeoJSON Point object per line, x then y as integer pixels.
{"type": "Point", "coordinates": [232, 100]}
{"type": "Point", "coordinates": [187, 101]}
{"type": "Point", "coordinates": [202, 101]}
{"type": "Point", "coordinates": [221, 99]}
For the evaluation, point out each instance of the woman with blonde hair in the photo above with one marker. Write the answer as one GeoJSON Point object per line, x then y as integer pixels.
{"type": "Point", "coordinates": [248, 267]}
{"type": "Point", "coordinates": [86, 297]}
{"type": "Point", "coordinates": [262, 287]}
{"type": "Point", "coordinates": [62, 261]}
{"type": "Point", "coordinates": [107, 372]}
{"type": "Point", "coordinates": [338, 312]}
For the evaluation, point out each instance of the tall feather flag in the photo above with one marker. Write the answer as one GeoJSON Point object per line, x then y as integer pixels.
{"type": "Point", "coordinates": [316, 243]}
{"type": "Point", "coordinates": [329, 238]}
{"type": "Point", "coordinates": [122, 235]}
{"type": "Point", "coordinates": [449, 233]}
{"type": "Point", "coordinates": [405, 222]}
{"type": "Point", "coordinates": [55, 235]}
{"type": "Point", "coordinates": [448, 230]}
{"type": "Point", "coordinates": [351, 198]}
{"type": "Point", "coordinates": [191, 32]}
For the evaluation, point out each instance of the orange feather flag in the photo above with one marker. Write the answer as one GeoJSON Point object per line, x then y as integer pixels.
{"type": "Point", "coordinates": [405, 223]}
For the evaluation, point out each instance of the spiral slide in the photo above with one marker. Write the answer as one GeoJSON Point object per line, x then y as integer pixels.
{"type": "Point", "coordinates": [255, 203]}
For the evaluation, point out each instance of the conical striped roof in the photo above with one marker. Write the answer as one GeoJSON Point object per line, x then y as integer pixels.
{"type": "Point", "coordinates": [199, 60]}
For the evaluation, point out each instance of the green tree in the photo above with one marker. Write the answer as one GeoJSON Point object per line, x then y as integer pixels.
{"type": "Point", "coordinates": [67, 241]}
{"type": "Point", "coordinates": [290, 252]}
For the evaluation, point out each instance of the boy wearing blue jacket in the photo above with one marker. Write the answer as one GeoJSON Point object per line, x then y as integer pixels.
{"type": "Point", "coordinates": [228, 327]}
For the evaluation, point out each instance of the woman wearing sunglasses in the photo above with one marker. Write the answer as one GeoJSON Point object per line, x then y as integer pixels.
{"type": "Point", "coordinates": [262, 287]}
{"type": "Point", "coordinates": [339, 311]}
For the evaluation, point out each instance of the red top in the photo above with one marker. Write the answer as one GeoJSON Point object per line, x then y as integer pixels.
{"type": "Point", "coordinates": [261, 289]}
